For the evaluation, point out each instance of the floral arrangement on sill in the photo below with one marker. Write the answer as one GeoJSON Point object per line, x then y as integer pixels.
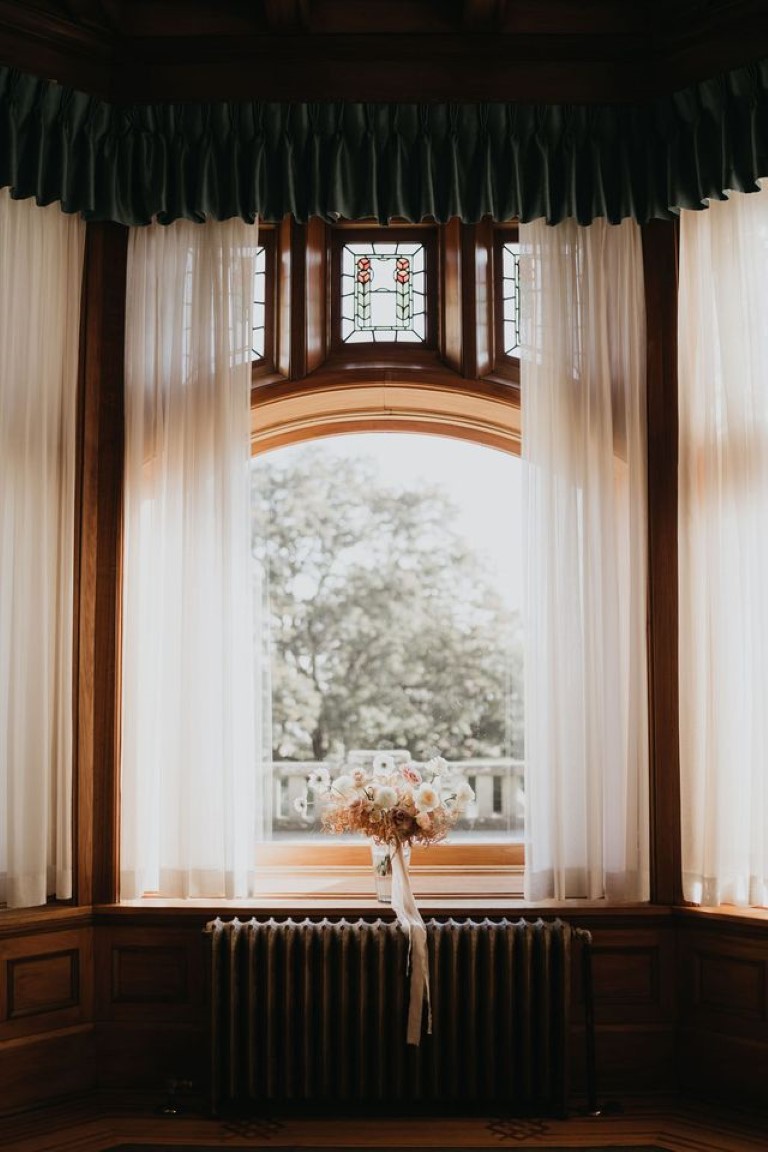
{"type": "Point", "coordinates": [394, 805]}
{"type": "Point", "coordinates": [391, 803]}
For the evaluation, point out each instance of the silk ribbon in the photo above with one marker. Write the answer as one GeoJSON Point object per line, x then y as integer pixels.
{"type": "Point", "coordinates": [409, 918]}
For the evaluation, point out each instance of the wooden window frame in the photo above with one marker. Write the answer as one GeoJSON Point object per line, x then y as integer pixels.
{"type": "Point", "coordinates": [310, 411]}
{"type": "Point", "coordinates": [506, 369]}
{"type": "Point", "coordinates": [264, 370]}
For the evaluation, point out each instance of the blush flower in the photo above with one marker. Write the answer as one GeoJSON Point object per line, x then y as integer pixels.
{"type": "Point", "coordinates": [411, 773]}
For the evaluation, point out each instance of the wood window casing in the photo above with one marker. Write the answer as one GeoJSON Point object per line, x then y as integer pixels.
{"type": "Point", "coordinates": [408, 394]}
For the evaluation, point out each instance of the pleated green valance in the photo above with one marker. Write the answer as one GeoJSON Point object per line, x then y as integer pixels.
{"type": "Point", "coordinates": [132, 163]}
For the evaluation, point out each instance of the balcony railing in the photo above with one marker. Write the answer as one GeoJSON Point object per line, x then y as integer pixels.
{"type": "Point", "coordinates": [498, 809]}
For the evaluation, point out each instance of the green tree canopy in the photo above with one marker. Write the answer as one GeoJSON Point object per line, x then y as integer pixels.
{"type": "Point", "coordinates": [386, 631]}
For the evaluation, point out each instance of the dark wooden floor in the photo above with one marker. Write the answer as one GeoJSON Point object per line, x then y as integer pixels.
{"type": "Point", "coordinates": [97, 1123]}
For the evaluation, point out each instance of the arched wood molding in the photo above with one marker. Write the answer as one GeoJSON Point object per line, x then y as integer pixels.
{"type": "Point", "coordinates": [394, 405]}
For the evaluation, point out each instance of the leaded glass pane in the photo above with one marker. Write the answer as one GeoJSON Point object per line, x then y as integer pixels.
{"type": "Point", "coordinates": [511, 297]}
{"type": "Point", "coordinates": [258, 338]}
{"type": "Point", "coordinates": [383, 293]}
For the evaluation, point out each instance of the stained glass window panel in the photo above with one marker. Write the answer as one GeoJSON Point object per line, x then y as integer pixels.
{"type": "Point", "coordinates": [383, 293]}
{"type": "Point", "coordinates": [258, 338]}
{"type": "Point", "coordinates": [511, 297]}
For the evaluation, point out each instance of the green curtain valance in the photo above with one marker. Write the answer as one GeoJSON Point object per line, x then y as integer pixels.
{"type": "Point", "coordinates": [132, 163]}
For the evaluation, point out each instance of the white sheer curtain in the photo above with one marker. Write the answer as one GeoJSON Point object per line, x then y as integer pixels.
{"type": "Point", "coordinates": [583, 406]}
{"type": "Point", "coordinates": [41, 261]}
{"type": "Point", "coordinates": [189, 795]}
{"type": "Point", "coordinates": [723, 550]}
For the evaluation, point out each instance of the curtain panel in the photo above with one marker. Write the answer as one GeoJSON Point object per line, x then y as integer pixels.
{"type": "Point", "coordinates": [582, 372]}
{"type": "Point", "coordinates": [189, 799]}
{"type": "Point", "coordinates": [723, 549]}
{"type": "Point", "coordinates": [41, 264]}
{"type": "Point", "coordinates": [133, 163]}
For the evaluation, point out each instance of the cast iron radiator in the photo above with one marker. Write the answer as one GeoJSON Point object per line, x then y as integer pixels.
{"type": "Point", "coordinates": [314, 1011]}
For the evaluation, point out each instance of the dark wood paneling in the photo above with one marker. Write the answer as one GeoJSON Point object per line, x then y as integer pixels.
{"type": "Point", "coordinates": [148, 1031]}
{"type": "Point", "coordinates": [146, 1054]}
{"type": "Point", "coordinates": [100, 497]}
{"type": "Point", "coordinates": [150, 974]}
{"type": "Point", "coordinates": [605, 50]}
{"type": "Point", "coordinates": [452, 296]}
{"type": "Point", "coordinates": [316, 302]}
{"type": "Point", "coordinates": [51, 45]}
{"type": "Point", "coordinates": [46, 982]}
{"type": "Point", "coordinates": [40, 984]}
{"type": "Point", "coordinates": [724, 982]}
{"type": "Point", "coordinates": [730, 1069]}
{"type": "Point", "coordinates": [723, 1006]}
{"type": "Point", "coordinates": [38, 1069]}
{"type": "Point", "coordinates": [46, 1008]}
{"type": "Point", "coordinates": [627, 976]}
{"type": "Point", "coordinates": [733, 985]}
{"type": "Point", "coordinates": [147, 975]}
{"type": "Point", "coordinates": [660, 263]}
{"type": "Point", "coordinates": [630, 1059]}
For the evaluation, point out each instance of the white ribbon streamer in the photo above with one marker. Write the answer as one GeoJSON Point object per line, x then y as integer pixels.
{"type": "Point", "coordinates": [409, 918]}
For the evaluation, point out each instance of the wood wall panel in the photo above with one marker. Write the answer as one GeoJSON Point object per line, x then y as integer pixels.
{"type": "Point", "coordinates": [147, 975]}
{"type": "Point", "coordinates": [148, 1032]}
{"type": "Point", "coordinates": [40, 984]}
{"type": "Point", "coordinates": [627, 976]}
{"type": "Point", "coordinates": [724, 983]}
{"type": "Point", "coordinates": [146, 1054]}
{"type": "Point", "coordinates": [46, 1013]}
{"type": "Point", "coordinates": [150, 975]}
{"type": "Point", "coordinates": [728, 1069]}
{"type": "Point", "coordinates": [37, 1069]}
{"type": "Point", "coordinates": [679, 1002]}
{"type": "Point", "coordinates": [46, 982]}
{"type": "Point", "coordinates": [730, 985]}
{"type": "Point", "coordinates": [723, 1008]}
{"type": "Point", "coordinates": [630, 1059]}
{"type": "Point", "coordinates": [634, 977]}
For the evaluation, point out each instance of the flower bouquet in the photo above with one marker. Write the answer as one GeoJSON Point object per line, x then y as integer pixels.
{"type": "Point", "coordinates": [395, 805]}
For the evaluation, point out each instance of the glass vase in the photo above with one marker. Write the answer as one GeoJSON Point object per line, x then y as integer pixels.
{"type": "Point", "coordinates": [381, 858]}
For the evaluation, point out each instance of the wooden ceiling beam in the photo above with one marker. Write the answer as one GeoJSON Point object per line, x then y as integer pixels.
{"type": "Point", "coordinates": [483, 15]}
{"type": "Point", "coordinates": [287, 15]}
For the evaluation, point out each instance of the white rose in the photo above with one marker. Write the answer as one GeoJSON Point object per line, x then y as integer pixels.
{"type": "Point", "coordinates": [344, 785]}
{"type": "Point", "coordinates": [426, 797]}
